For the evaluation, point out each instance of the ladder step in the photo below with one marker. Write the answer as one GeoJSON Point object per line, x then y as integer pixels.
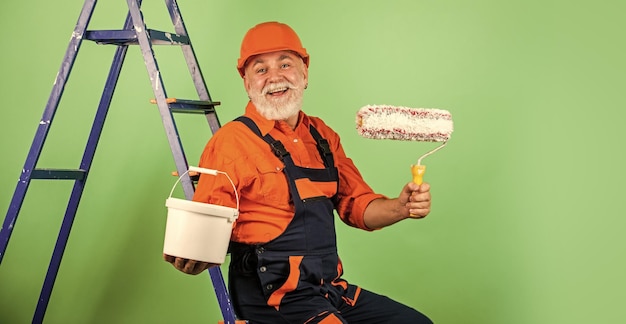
{"type": "Point", "coordinates": [194, 176]}
{"type": "Point", "coordinates": [129, 37]}
{"type": "Point", "coordinates": [190, 106]}
{"type": "Point", "coordinates": [59, 174]}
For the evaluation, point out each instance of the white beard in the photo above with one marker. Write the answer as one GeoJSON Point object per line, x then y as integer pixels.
{"type": "Point", "coordinates": [278, 108]}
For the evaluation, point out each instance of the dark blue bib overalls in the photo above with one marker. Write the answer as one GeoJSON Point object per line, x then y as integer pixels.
{"type": "Point", "coordinates": [296, 277]}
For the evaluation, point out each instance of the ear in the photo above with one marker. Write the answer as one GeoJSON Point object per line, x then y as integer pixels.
{"type": "Point", "coordinates": [305, 72]}
{"type": "Point", "coordinates": [246, 83]}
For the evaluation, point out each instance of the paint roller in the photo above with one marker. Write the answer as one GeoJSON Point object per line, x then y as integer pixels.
{"type": "Point", "coordinates": [406, 124]}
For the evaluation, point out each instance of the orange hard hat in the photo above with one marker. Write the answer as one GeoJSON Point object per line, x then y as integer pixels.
{"type": "Point", "coordinates": [269, 37]}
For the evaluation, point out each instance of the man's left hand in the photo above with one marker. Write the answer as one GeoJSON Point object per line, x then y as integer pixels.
{"type": "Point", "coordinates": [188, 266]}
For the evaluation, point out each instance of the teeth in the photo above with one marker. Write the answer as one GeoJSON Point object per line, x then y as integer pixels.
{"type": "Point", "coordinates": [277, 90]}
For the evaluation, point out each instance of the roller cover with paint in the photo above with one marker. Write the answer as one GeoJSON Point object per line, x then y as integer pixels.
{"type": "Point", "coordinates": [406, 124]}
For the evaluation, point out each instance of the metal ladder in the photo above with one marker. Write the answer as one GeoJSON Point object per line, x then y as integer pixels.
{"type": "Point", "coordinates": [134, 32]}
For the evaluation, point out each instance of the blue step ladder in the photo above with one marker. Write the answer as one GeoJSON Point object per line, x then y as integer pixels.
{"type": "Point", "coordinates": [133, 33]}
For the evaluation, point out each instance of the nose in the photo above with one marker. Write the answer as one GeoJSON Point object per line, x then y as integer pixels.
{"type": "Point", "coordinates": [274, 74]}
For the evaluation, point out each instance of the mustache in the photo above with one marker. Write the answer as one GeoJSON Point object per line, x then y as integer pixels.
{"type": "Point", "coordinates": [282, 86]}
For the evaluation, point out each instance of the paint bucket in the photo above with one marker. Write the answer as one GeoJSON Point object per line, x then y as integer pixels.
{"type": "Point", "coordinates": [198, 231]}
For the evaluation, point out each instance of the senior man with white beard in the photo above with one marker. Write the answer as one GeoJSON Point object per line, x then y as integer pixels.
{"type": "Point", "coordinates": [291, 174]}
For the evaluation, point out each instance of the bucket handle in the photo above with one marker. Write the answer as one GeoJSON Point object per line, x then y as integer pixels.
{"type": "Point", "coordinates": [211, 172]}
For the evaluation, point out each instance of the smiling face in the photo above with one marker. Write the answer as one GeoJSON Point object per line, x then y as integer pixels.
{"type": "Point", "coordinates": [275, 83]}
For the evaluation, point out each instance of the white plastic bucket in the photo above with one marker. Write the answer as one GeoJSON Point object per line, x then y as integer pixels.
{"type": "Point", "coordinates": [196, 230]}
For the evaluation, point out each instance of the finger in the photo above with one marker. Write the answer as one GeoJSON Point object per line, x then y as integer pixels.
{"type": "Point", "coordinates": [202, 266]}
{"type": "Point", "coordinates": [412, 187]}
{"type": "Point", "coordinates": [192, 267]}
{"type": "Point", "coordinates": [419, 209]}
{"type": "Point", "coordinates": [424, 187]}
{"type": "Point", "coordinates": [189, 266]}
{"type": "Point", "coordinates": [420, 197]}
{"type": "Point", "coordinates": [418, 212]}
{"type": "Point", "coordinates": [418, 205]}
{"type": "Point", "coordinates": [168, 258]}
{"type": "Point", "coordinates": [179, 263]}
{"type": "Point", "coordinates": [198, 267]}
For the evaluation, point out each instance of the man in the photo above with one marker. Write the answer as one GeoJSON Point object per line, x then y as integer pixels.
{"type": "Point", "coordinates": [291, 173]}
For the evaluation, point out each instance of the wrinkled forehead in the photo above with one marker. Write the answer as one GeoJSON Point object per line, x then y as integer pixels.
{"type": "Point", "coordinates": [274, 56]}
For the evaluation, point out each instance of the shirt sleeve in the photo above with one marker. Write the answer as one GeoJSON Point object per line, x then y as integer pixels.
{"type": "Point", "coordinates": [218, 189]}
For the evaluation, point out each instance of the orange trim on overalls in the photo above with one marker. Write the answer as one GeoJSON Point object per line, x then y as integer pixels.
{"type": "Point", "coordinates": [350, 301]}
{"type": "Point", "coordinates": [290, 284]}
{"type": "Point", "coordinates": [341, 283]}
{"type": "Point", "coordinates": [338, 282]}
{"type": "Point", "coordinates": [331, 319]}
{"type": "Point", "coordinates": [309, 189]}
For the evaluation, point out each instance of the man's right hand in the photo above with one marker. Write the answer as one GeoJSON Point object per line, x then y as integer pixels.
{"type": "Point", "coordinates": [187, 266]}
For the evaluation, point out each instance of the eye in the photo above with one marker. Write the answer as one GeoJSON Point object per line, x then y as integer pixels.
{"type": "Point", "coordinates": [285, 65]}
{"type": "Point", "coordinates": [261, 70]}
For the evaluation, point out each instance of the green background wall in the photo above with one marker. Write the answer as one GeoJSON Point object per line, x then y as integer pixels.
{"type": "Point", "coordinates": [527, 221]}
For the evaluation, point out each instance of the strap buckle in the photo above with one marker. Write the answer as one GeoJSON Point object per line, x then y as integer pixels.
{"type": "Point", "coordinates": [279, 149]}
{"type": "Point", "coordinates": [324, 147]}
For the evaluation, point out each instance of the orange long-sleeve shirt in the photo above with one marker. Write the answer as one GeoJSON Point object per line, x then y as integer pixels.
{"type": "Point", "coordinates": [264, 208]}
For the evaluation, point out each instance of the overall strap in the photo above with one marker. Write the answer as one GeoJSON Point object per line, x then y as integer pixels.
{"type": "Point", "coordinates": [279, 150]}
{"type": "Point", "coordinates": [323, 147]}
{"type": "Point", "coordinates": [327, 155]}
{"type": "Point", "coordinates": [277, 146]}
{"type": "Point", "coordinates": [290, 167]}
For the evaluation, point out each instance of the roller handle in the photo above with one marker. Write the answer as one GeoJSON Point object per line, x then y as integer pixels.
{"type": "Point", "coordinates": [418, 177]}
{"type": "Point", "coordinates": [418, 173]}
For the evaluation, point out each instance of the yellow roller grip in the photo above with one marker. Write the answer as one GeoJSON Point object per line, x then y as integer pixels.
{"type": "Point", "coordinates": [418, 173]}
{"type": "Point", "coordinates": [418, 177]}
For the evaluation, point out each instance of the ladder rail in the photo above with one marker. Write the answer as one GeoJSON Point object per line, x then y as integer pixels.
{"type": "Point", "coordinates": [134, 24]}
{"type": "Point", "coordinates": [79, 185]}
{"type": "Point", "coordinates": [44, 125]}
{"type": "Point", "coordinates": [192, 62]}
{"type": "Point", "coordinates": [169, 124]}
{"type": "Point", "coordinates": [203, 93]}
{"type": "Point", "coordinates": [156, 81]}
